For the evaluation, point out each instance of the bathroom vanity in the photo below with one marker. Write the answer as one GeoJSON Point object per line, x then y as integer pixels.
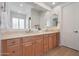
{"type": "Point", "coordinates": [29, 44]}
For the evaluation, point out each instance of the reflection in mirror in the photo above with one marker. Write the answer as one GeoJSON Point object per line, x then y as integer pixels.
{"type": "Point", "coordinates": [53, 22]}
{"type": "Point", "coordinates": [15, 16]}
{"type": "Point", "coordinates": [18, 20]}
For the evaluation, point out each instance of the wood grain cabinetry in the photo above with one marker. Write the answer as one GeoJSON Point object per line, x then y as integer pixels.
{"type": "Point", "coordinates": [55, 41]}
{"type": "Point", "coordinates": [51, 41]}
{"type": "Point", "coordinates": [39, 45]}
{"type": "Point", "coordinates": [27, 46]}
{"type": "Point", "coordinates": [58, 38]}
{"type": "Point", "coordinates": [30, 46]}
{"type": "Point", "coordinates": [13, 51]}
{"type": "Point", "coordinates": [11, 47]}
{"type": "Point", "coordinates": [46, 43]}
{"type": "Point", "coordinates": [28, 49]}
{"type": "Point", "coordinates": [33, 45]}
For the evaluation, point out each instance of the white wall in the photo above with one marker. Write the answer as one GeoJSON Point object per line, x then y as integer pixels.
{"type": "Point", "coordinates": [35, 17]}
{"type": "Point", "coordinates": [44, 17]}
{"type": "Point", "coordinates": [42, 20]}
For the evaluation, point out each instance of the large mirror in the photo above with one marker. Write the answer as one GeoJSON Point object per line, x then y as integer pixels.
{"type": "Point", "coordinates": [53, 21]}
{"type": "Point", "coordinates": [15, 15]}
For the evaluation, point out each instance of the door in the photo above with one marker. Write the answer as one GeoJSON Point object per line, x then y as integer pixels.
{"type": "Point", "coordinates": [76, 27]}
{"type": "Point", "coordinates": [69, 29]}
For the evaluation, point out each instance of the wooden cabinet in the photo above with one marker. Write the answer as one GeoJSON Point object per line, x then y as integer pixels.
{"type": "Point", "coordinates": [46, 43]}
{"type": "Point", "coordinates": [28, 49]}
{"type": "Point", "coordinates": [11, 47]}
{"type": "Point", "coordinates": [55, 37]}
{"type": "Point", "coordinates": [54, 40]}
{"type": "Point", "coordinates": [4, 47]}
{"type": "Point", "coordinates": [58, 38]}
{"type": "Point", "coordinates": [29, 46]}
{"type": "Point", "coordinates": [13, 51]}
{"type": "Point", "coordinates": [51, 41]}
{"type": "Point", "coordinates": [33, 45]}
{"type": "Point", "coordinates": [39, 46]}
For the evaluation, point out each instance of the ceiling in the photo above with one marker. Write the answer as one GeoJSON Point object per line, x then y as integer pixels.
{"type": "Point", "coordinates": [35, 6]}
{"type": "Point", "coordinates": [49, 4]}
{"type": "Point", "coordinates": [53, 5]}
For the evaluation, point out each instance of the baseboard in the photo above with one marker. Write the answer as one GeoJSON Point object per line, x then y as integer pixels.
{"type": "Point", "coordinates": [69, 48]}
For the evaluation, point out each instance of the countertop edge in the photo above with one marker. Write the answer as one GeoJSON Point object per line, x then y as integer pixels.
{"type": "Point", "coordinates": [25, 35]}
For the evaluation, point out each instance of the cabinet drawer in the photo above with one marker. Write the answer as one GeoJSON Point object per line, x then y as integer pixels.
{"type": "Point", "coordinates": [12, 42]}
{"type": "Point", "coordinates": [52, 34]}
{"type": "Point", "coordinates": [32, 38]}
{"type": "Point", "coordinates": [28, 49]}
{"type": "Point", "coordinates": [26, 39]}
{"type": "Point", "coordinates": [39, 41]}
{"type": "Point", "coordinates": [27, 44]}
{"type": "Point", "coordinates": [37, 37]}
{"type": "Point", "coordinates": [46, 35]}
{"type": "Point", "coordinates": [13, 51]}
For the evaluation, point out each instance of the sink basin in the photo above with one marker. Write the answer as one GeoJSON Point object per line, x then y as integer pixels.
{"type": "Point", "coordinates": [48, 30]}
{"type": "Point", "coordinates": [31, 31]}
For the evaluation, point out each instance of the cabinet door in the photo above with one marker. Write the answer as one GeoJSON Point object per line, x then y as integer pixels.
{"type": "Point", "coordinates": [28, 49]}
{"type": "Point", "coordinates": [4, 47]}
{"type": "Point", "coordinates": [46, 43]}
{"type": "Point", "coordinates": [39, 47]}
{"type": "Point", "coordinates": [54, 40]}
{"type": "Point", "coordinates": [13, 51]}
{"type": "Point", "coordinates": [58, 38]}
{"type": "Point", "coordinates": [51, 41]}
{"type": "Point", "coordinates": [11, 47]}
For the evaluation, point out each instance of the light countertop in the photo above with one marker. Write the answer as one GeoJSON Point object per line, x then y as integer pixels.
{"type": "Point", "coordinates": [24, 34]}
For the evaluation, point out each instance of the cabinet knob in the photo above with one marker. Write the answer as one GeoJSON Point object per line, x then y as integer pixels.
{"type": "Point", "coordinates": [13, 51]}
{"type": "Point", "coordinates": [13, 42]}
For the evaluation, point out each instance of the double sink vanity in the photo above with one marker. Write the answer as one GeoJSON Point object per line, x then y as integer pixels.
{"type": "Point", "coordinates": [29, 44]}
